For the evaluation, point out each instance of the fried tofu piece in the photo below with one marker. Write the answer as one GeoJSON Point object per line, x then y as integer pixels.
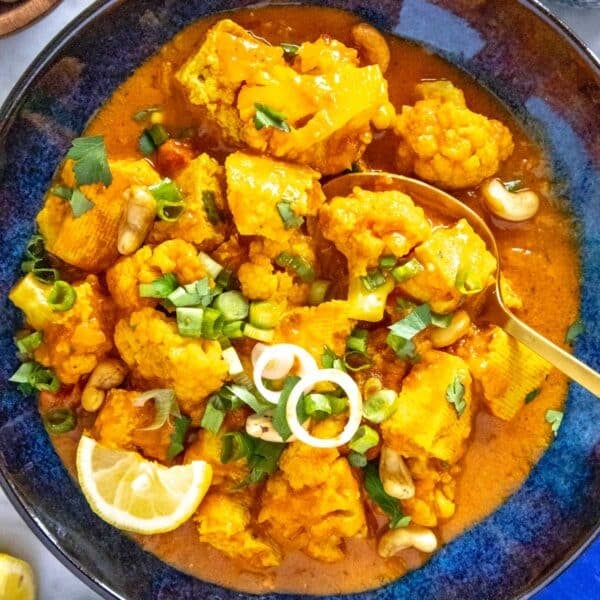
{"type": "Point", "coordinates": [89, 241]}
{"type": "Point", "coordinates": [446, 143]}
{"type": "Point", "coordinates": [456, 263]}
{"type": "Point", "coordinates": [328, 103]}
{"type": "Point", "coordinates": [148, 264]}
{"type": "Point", "coordinates": [256, 185]}
{"type": "Point", "coordinates": [224, 521]}
{"type": "Point", "coordinates": [426, 424]}
{"type": "Point", "coordinates": [314, 502]}
{"type": "Point", "coordinates": [315, 327]}
{"type": "Point", "coordinates": [366, 225]}
{"type": "Point", "coordinates": [201, 177]}
{"type": "Point", "coordinates": [506, 369]}
{"type": "Point", "coordinates": [120, 424]}
{"type": "Point", "coordinates": [208, 447]}
{"type": "Point", "coordinates": [76, 340]}
{"type": "Point", "coordinates": [148, 341]}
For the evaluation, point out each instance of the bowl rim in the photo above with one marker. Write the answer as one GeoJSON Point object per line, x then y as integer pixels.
{"type": "Point", "coordinates": [8, 111]}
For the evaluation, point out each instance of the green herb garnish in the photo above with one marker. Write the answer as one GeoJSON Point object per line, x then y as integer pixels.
{"type": "Point", "coordinates": [574, 331]}
{"type": "Point", "coordinates": [289, 50]}
{"type": "Point", "coordinates": [290, 219]}
{"type": "Point", "coordinates": [27, 344]}
{"type": "Point", "coordinates": [159, 288]}
{"type": "Point", "coordinates": [532, 395]}
{"type": "Point", "coordinates": [455, 394]}
{"type": "Point", "coordinates": [296, 263]}
{"type": "Point", "coordinates": [32, 376]}
{"type": "Point", "coordinates": [91, 162]}
{"type": "Point", "coordinates": [387, 503]}
{"type": "Point", "coordinates": [554, 417]}
{"type": "Point", "coordinates": [408, 270]}
{"type": "Point", "coordinates": [213, 417]}
{"type": "Point", "coordinates": [176, 446]}
{"type": "Point", "coordinates": [364, 439]}
{"type": "Point", "coordinates": [59, 420]}
{"type": "Point", "coordinates": [269, 117]}
{"type": "Point", "coordinates": [418, 319]}
{"type": "Point", "coordinates": [280, 423]}
{"type": "Point", "coordinates": [373, 279]}
{"type": "Point", "coordinates": [79, 202]}
{"type": "Point", "coordinates": [62, 296]}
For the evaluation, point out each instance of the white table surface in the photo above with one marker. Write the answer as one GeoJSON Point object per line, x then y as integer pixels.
{"type": "Point", "coordinates": [16, 52]}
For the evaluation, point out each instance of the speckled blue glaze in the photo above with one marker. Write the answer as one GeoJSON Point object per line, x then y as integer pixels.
{"type": "Point", "coordinates": [520, 54]}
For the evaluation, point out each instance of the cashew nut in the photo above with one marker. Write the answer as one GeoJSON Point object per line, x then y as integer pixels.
{"type": "Point", "coordinates": [394, 474]}
{"type": "Point", "coordinates": [446, 336]}
{"type": "Point", "coordinates": [511, 206]}
{"type": "Point", "coordinates": [138, 217]}
{"type": "Point", "coordinates": [373, 44]}
{"type": "Point", "coordinates": [413, 536]}
{"type": "Point", "coordinates": [108, 374]}
{"type": "Point", "coordinates": [261, 427]}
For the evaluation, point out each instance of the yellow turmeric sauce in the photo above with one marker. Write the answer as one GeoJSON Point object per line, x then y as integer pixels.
{"type": "Point", "coordinates": [539, 256]}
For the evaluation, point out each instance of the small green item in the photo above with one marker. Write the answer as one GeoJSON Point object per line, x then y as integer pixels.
{"type": "Point", "coordinates": [377, 493]}
{"type": "Point", "coordinates": [258, 405]}
{"type": "Point", "coordinates": [27, 344]}
{"type": "Point", "coordinates": [318, 292]}
{"type": "Point", "coordinates": [236, 445]}
{"type": "Point", "coordinates": [210, 207]}
{"type": "Point", "coordinates": [91, 162]}
{"type": "Point", "coordinates": [80, 204]}
{"type": "Point", "coordinates": [32, 376]}
{"type": "Point", "coordinates": [62, 296]}
{"type": "Point", "coordinates": [258, 334]}
{"type": "Point", "coordinates": [233, 329]}
{"type": "Point", "coordinates": [59, 420]}
{"type": "Point", "coordinates": [467, 283]}
{"type": "Point", "coordinates": [417, 320]}
{"type": "Point", "coordinates": [264, 315]}
{"type": "Point", "coordinates": [574, 331]}
{"type": "Point", "coordinates": [532, 395]}
{"type": "Point", "coordinates": [189, 321]}
{"type": "Point", "coordinates": [165, 405]}
{"type": "Point", "coordinates": [357, 460]}
{"type": "Point", "coordinates": [176, 446]}
{"type": "Point", "coordinates": [212, 324]}
{"type": "Point", "coordinates": [213, 417]}
{"type": "Point", "coordinates": [373, 279]}
{"type": "Point", "coordinates": [357, 340]}
{"type": "Point", "coordinates": [407, 271]}
{"type": "Point", "coordinates": [289, 50]}
{"type": "Point", "coordinates": [364, 439]}
{"type": "Point", "coordinates": [387, 262]}
{"type": "Point", "coordinates": [513, 186]}
{"type": "Point", "coordinates": [269, 117]}
{"type": "Point", "coordinates": [403, 348]}
{"type": "Point", "coordinates": [280, 423]}
{"type": "Point", "coordinates": [232, 305]}
{"type": "Point", "coordinates": [455, 394]}
{"type": "Point", "coordinates": [297, 264]}
{"type": "Point", "coordinates": [330, 360]}
{"type": "Point", "coordinates": [290, 219]}
{"type": "Point", "coordinates": [380, 405]}
{"type": "Point", "coordinates": [160, 288]}
{"type": "Point", "coordinates": [62, 191]}
{"type": "Point", "coordinates": [554, 417]}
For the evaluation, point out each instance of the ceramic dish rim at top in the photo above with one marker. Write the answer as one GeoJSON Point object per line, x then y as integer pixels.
{"type": "Point", "coordinates": [9, 109]}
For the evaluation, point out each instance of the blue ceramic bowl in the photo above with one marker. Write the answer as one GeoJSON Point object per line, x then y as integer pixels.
{"type": "Point", "coordinates": [514, 48]}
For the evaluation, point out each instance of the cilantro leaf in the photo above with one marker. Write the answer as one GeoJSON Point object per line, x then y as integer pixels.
{"type": "Point", "coordinates": [91, 162]}
{"type": "Point", "coordinates": [416, 321]}
{"type": "Point", "coordinates": [455, 394]}
{"type": "Point", "coordinates": [554, 417]}
{"type": "Point", "coordinates": [403, 348]}
{"type": "Point", "coordinates": [263, 461]}
{"type": "Point", "coordinates": [80, 204]}
{"type": "Point", "coordinates": [62, 191]}
{"type": "Point", "coordinates": [574, 331]}
{"type": "Point", "coordinates": [269, 117]}
{"type": "Point", "coordinates": [387, 503]}
{"type": "Point", "coordinates": [280, 422]}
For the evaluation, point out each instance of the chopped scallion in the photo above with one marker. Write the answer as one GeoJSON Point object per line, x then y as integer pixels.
{"type": "Point", "coordinates": [373, 279]}
{"type": "Point", "coordinates": [387, 503]}
{"type": "Point", "coordinates": [62, 296]}
{"type": "Point", "coordinates": [232, 305]}
{"type": "Point", "coordinates": [318, 291]}
{"type": "Point", "coordinates": [264, 315]}
{"type": "Point", "coordinates": [280, 423]}
{"type": "Point", "coordinates": [212, 323]}
{"type": "Point", "coordinates": [165, 405]}
{"type": "Point", "coordinates": [364, 439]}
{"type": "Point", "coordinates": [210, 207]}
{"type": "Point", "coordinates": [261, 335]}
{"type": "Point", "coordinates": [298, 264]}
{"type": "Point", "coordinates": [269, 117]}
{"type": "Point", "coordinates": [358, 340]}
{"type": "Point", "coordinates": [189, 321]}
{"type": "Point", "coordinates": [408, 270]}
{"type": "Point", "coordinates": [316, 404]}
{"type": "Point", "coordinates": [258, 405]}
{"type": "Point", "coordinates": [212, 267]}
{"type": "Point", "coordinates": [330, 360]}
{"type": "Point", "coordinates": [226, 279]}
{"type": "Point", "coordinates": [159, 288]}
{"type": "Point", "coordinates": [290, 219]}
{"type": "Point", "coordinates": [213, 418]}
{"type": "Point", "coordinates": [574, 331]}
{"type": "Point", "coordinates": [32, 376]}
{"type": "Point", "coordinates": [234, 365]}
{"type": "Point", "coordinates": [387, 262]}
{"type": "Point", "coordinates": [176, 446]}
{"type": "Point", "coordinates": [234, 329]}
{"type": "Point", "coordinates": [380, 405]}
{"type": "Point", "coordinates": [441, 321]}
{"type": "Point", "coordinates": [357, 460]}
{"type": "Point", "coordinates": [59, 420]}
{"type": "Point", "coordinates": [27, 344]}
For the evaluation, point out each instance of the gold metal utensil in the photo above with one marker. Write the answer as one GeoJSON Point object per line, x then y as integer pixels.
{"type": "Point", "coordinates": [494, 311]}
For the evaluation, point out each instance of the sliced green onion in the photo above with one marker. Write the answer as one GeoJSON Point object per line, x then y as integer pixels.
{"type": "Point", "coordinates": [467, 282]}
{"type": "Point", "coordinates": [213, 418]}
{"type": "Point", "coordinates": [212, 324]}
{"type": "Point", "coordinates": [35, 247]}
{"type": "Point", "coordinates": [269, 117]}
{"type": "Point", "coordinates": [236, 445]}
{"type": "Point", "coordinates": [357, 460]}
{"type": "Point", "coordinates": [212, 267]}
{"type": "Point", "coordinates": [290, 219]}
{"type": "Point", "coordinates": [554, 417]}
{"type": "Point", "coordinates": [169, 211]}
{"type": "Point", "coordinates": [408, 270]}
{"type": "Point", "coordinates": [387, 262]}
{"type": "Point", "coordinates": [261, 335]}
{"type": "Point", "coordinates": [234, 329]}
{"type": "Point", "coordinates": [364, 439]}
{"type": "Point", "coordinates": [176, 446]}
{"type": "Point", "coordinates": [145, 144]}
{"type": "Point", "coordinates": [373, 279]}
{"type": "Point", "coordinates": [264, 315]}
{"type": "Point", "coordinates": [513, 186]}
{"type": "Point", "coordinates": [234, 365]}
{"type": "Point", "coordinates": [574, 331]}
{"type": "Point", "coordinates": [289, 50]}
{"type": "Point", "coordinates": [418, 319]}
{"type": "Point", "coordinates": [158, 134]}
{"type": "Point", "coordinates": [280, 423]}
{"type": "Point", "coordinates": [377, 493]}
{"type": "Point", "coordinates": [189, 321]}
{"type": "Point", "coordinates": [455, 394]}
{"type": "Point", "coordinates": [27, 344]}
{"type": "Point", "coordinates": [316, 404]}
{"type": "Point", "coordinates": [380, 406]}
{"type": "Point", "coordinates": [35, 377]}
{"type": "Point", "coordinates": [258, 405]}
{"type": "Point", "coordinates": [318, 291]}
{"type": "Point", "coordinates": [166, 190]}
{"type": "Point", "coordinates": [296, 263]}
{"type": "Point", "coordinates": [441, 321]}
{"type": "Point", "coordinates": [339, 404]}
{"type": "Point", "coordinates": [356, 361]}
{"type": "Point", "coordinates": [159, 288]}
{"type": "Point", "coordinates": [225, 279]}
{"type": "Point", "coordinates": [165, 405]}
{"type": "Point", "coordinates": [358, 340]}
{"type": "Point", "coordinates": [210, 207]}
{"type": "Point", "coordinates": [232, 305]}
{"type": "Point", "coordinates": [403, 348]}
{"type": "Point", "coordinates": [181, 297]}
{"type": "Point", "coordinates": [262, 461]}
{"type": "Point", "coordinates": [144, 113]}
{"type": "Point", "coordinates": [62, 296]}
{"type": "Point", "coordinates": [330, 360]}
{"type": "Point", "coordinates": [59, 420]}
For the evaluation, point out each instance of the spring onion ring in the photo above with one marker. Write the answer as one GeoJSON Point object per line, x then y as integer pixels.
{"type": "Point", "coordinates": [275, 362]}
{"type": "Point", "coordinates": [306, 383]}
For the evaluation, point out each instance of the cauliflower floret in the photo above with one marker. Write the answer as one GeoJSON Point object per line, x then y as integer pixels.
{"type": "Point", "coordinates": [74, 340]}
{"type": "Point", "coordinates": [148, 264]}
{"type": "Point", "coordinates": [120, 424]}
{"type": "Point", "coordinates": [506, 369]}
{"type": "Point", "coordinates": [256, 185]}
{"type": "Point", "coordinates": [149, 343]}
{"type": "Point", "coordinates": [315, 327]}
{"type": "Point", "coordinates": [365, 225]}
{"type": "Point", "coordinates": [90, 240]}
{"type": "Point", "coordinates": [202, 176]}
{"type": "Point", "coordinates": [314, 502]}
{"type": "Point", "coordinates": [456, 262]}
{"type": "Point", "coordinates": [224, 522]}
{"type": "Point", "coordinates": [328, 111]}
{"type": "Point", "coordinates": [426, 423]}
{"type": "Point", "coordinates": [208, 447]}
{"type": "Point", "coordinates": [448, 144]}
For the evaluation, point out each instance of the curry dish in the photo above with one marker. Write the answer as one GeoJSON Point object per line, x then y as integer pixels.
{"type": "Point", "coordinates": [270, 388]}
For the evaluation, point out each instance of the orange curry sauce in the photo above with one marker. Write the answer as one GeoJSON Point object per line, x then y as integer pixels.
{"type": "Point", "coordinates": [539, 256]}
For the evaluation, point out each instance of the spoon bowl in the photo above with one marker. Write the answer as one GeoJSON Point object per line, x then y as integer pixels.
{"type": "Point", "coordinates": [494, 309]}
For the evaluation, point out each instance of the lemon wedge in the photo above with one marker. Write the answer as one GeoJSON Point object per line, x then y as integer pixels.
{"type": "Point", "coordinates": [138, 495]}
{"type": "Point", "coordinates": [16, 579]}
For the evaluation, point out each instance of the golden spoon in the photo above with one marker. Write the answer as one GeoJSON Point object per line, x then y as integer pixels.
{"type": "Point", "coordinates": [495, 311]}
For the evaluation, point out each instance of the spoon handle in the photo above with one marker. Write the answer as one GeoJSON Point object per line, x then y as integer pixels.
{"type": "Point", "coordinates": [560, 359]}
